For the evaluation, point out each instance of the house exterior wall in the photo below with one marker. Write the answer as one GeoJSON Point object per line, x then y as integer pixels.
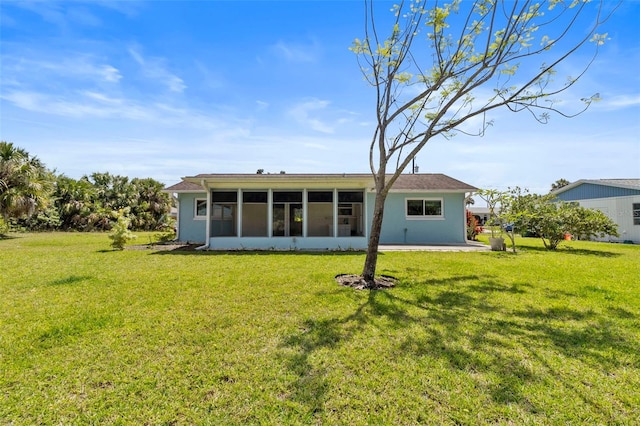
{"type": "Point", "coordinates": [190, 229]}
{"type": "Point", "coordinates": [587, 191]}
{"type": "Point", "coordinates": [398, 228]}
{"type": "Point", "coordinates": [620, 210]}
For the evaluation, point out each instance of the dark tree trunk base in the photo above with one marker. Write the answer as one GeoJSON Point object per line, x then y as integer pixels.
{"type": "Point", "coordinates": [381, 282]}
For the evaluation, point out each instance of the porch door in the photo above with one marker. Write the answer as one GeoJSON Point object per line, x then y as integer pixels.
{"type": "Point", "coordinates": [287, 219]}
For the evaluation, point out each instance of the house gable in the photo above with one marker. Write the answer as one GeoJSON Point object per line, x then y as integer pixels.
{"type": "Point", "coordinates": [604, 188]}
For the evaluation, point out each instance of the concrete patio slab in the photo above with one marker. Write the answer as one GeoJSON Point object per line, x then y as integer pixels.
{"type": "Point", "coordinates": [470, 246]}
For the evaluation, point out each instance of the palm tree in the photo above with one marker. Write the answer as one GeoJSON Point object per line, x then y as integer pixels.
{"type": "Point", "coordinates": [152, 205]}
{"type": "Point", "coordinates": [73, 199]}
{"type": "Point", "coordinates": [25, 183]}
{"type": "Point", "coordinates": [559, 184]}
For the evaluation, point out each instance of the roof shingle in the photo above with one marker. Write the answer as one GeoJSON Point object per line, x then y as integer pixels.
{"type": "Point", "coordinates": [412, 182]}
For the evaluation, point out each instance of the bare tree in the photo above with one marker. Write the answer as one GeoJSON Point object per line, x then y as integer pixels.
{"type": "Point", "coordinates": [445, 64]}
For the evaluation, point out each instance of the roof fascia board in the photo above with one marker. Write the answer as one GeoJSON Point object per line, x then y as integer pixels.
{"type": "Point", "coordinates": [185, 191]}
{"type": "Point", "coordinates": [278, 182]}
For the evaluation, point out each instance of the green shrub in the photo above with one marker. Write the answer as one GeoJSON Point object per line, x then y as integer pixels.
{"type": "Point", "coordinates": [4, 227]}
{"type": "Point", "coordinates": [120, 233]}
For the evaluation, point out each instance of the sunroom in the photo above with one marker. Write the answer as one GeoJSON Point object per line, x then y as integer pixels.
{"type": "Point", "coordinates": [293, 212]}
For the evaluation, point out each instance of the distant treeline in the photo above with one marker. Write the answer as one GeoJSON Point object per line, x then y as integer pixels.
{"type": "Point", "coordinates": [34, 198]}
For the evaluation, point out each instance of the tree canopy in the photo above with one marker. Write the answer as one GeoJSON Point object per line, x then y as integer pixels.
{"type": "Point", "coordinates": [436, 66]}
{"type": "Point", "coordinates": [34, 198]}
{"type": "Point", "coordinates": [25, 183]}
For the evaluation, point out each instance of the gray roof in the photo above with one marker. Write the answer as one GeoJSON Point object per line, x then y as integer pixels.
{"type": "Point", "coordinates": [184, 186]}
{"type": "Point", "coordinates": [623, 183]}
{"type": "Point", "coordinates": [618, 183]}
{"type": "Point", "coordinates": [408, 182]}
{"type": "Point", "coordinates": [431, 181]}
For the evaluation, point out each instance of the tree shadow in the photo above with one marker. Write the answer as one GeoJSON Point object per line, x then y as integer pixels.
{"type": "Point", "coordinates": [71, 279]}
{"type": "Point", "coordinates": [573, 251]}
{"type": "Point", "coordinates": [239, 253]}
{"type": "Point", "coordinates": [467, 327]}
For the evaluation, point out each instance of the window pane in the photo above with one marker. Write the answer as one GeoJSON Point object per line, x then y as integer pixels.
{"type": "Point", "coordinates": [345, 209]}
{"type": "Point", "coordinates": [216, 212]}
{"type": "Point", "coordinates": [295, 220]}
{"type": "Point", "coordinates": [254, 197]}
{"type": "Point", "coordinates": [224, 196]}
{"type": "Point", "coordinates": [636, 213]}
{"type": "Point", "coordinates": [415, 208]}
{"type": "Point", "coordinates": [320, 197]}
{"type": "Point", "coordinates": [350, 196]}
{"type": "Point", "coordinates": [320, 219]}
{"type": "Point", "coordinates": [432, 208]}
{"type": "Point", "coordinates": [278, 225]}
{"type": "Point", "coordinates": [254, 220]}
{"type": "Point", "coordinates": [223, 220]}
{"type": "Point", "coordinates": [201, 207]}
{"type": "Point", "coordinates": [287, 197]}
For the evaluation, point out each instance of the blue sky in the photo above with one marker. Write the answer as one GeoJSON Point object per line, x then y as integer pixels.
{"type": "Point", "coordinates": [168, 89]}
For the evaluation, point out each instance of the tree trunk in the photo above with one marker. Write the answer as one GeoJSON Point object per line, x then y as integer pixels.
{"type": "Point", "coordinates": [371, 261]}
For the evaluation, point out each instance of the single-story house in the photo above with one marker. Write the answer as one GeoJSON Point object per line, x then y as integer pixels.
{"type": "Point", "coordinates": [316, 211]}
{"type": "Point", "coordinates": [480, 213]}
{"type": "Point", "coordinates": [619, 199]}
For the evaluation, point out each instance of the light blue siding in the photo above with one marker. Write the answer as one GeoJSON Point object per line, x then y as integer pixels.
{"type": "Point", "coordinates": [588, 191]}
{"type": "Point", "coordinates": [191, 229]}
{"type": "Point", "coordinates": [397, 229]}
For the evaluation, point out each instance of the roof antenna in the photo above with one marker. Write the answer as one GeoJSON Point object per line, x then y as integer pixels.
{"type": "Point", "coordinates": [413, 166]}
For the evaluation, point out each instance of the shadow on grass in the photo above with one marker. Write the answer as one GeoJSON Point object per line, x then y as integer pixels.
{"type": "Point", "coordinates": [193, 252]}
{"type": "Point", "coordinates": [71, 279]}
{"type": "Point", "coordinates": [563, 249]}
{"type": "Point", "coordinates": [464, 323]}
{"type": "Point", "coordinates": [8, 237]}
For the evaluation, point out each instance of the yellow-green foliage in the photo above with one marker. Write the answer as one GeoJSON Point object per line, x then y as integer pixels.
{"type": "Point", "coordinates": [120, 233]}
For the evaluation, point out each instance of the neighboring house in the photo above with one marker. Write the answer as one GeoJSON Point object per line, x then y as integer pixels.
{"type": "Point", "coordinates": [316, 211]}
{"type": "Point", "coordinates": [480, 213]}
{"type": "Point", "coordinates": [619, 199]}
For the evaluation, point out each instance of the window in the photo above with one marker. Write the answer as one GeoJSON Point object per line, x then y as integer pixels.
{"type": "Point", "coordinates": [223, 213]}
{"type": "Point", "coordinates": [636, 213]}
{"type": "Point", "coordinates": [255, 214]}
{"type": "Point", "coordinates": [350, 208]}
{"type": "Point", "coordinates": [425, 208]}
{"type": "Point", "coordinates": [320, 213]}
{"type": "Point", "coordinates": [287, 214]}
{"type": "Point", "coordinates": [200, 209]}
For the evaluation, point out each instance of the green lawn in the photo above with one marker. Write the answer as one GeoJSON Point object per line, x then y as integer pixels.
{"type": "Point", "coordinates": [94, 336]}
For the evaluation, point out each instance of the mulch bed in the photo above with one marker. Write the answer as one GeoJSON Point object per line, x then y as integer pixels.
{"type": "Point", "coordinates": [382, 282]}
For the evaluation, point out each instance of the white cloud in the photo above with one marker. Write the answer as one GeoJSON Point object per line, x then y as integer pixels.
{"type": "Point", "coordinates": [619, 102]}
{"type": "Point", "coordinates": [296, 52]}
{"type": "Point", "coordinates": [154, 68]}
{"type": "Point", "coordinates": [111, 74]}
{"type": "Point", "coordinates": [305, 113]}
{"type": "Point", "coordinates": [262, 105]}
{"type": "Point", "coordinates": [26, 70]}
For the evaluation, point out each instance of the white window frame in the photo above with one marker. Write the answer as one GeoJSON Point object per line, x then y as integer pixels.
{"type": "Point", "coordinates": [423, 216]}
{"type": "Point", "coordinates": [196, 216]}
